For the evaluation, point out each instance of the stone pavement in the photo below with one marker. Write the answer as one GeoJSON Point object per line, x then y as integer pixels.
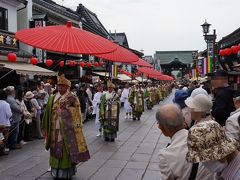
{"type": "Point", "coordinates": [133, 155]}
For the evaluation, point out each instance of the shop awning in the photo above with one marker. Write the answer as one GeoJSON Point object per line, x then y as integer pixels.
{"type": "Point", "coordinates": [24, 68]}
{"type": "Point", "coordinates": [140, 79]}
{"type": "Point", "coordinates": [121, 77]}
{"type": "Point", "coordinates": [124, 77]}
{"type": "Point", "coordinates": [142, 62]}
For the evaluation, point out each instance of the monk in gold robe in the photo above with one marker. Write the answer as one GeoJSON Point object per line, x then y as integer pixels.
{"type": "Point", "coordinates": [62, 125]}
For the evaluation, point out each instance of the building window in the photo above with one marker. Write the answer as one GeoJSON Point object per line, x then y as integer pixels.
{"type": "Point", "coordinates": [3, 18]}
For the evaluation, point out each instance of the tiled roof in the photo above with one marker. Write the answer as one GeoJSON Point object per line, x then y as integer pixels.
{"type": "Point", "coordinates": [53, 6]}
{"type": "Point", "coordinates": [91, 20]}
{"type": "Point", "coordinates": [167, 57]}
{"type": "Point", "coordinates": [120, 38]}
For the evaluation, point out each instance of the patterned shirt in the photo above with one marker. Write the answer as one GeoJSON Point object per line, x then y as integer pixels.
{"type": "Point", "coordinates": [232, 171]}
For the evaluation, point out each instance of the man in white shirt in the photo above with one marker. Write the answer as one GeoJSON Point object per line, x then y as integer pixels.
{"type": "Point", "coordinates": [173, 164]}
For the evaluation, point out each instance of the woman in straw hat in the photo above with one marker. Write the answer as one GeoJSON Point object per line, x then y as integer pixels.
{"type": "Point", "coordinates": [62, 126]}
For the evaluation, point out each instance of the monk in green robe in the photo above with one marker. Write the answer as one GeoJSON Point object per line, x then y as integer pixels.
{"type": "Point", "coordinates": [109, 113]}
{"type": "Point", "coordinates": [62, 126]}
{"type": "Point", "coordinates": [137, 102]}
{"type": "Point", "coordinates": [148, 97]}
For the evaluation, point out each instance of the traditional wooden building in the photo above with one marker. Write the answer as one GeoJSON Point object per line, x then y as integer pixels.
{"type": "Point", "coordinates": [230, 63]}
{"type": "Point", "coordinates": [14, 17]}
{"type": "Point", "coordinates": [168, 61]}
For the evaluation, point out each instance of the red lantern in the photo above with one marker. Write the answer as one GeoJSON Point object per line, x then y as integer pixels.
{"type": "Point", "coordinates": [49, 62]}
{"type": "Point", "coordinates": [101, 63]}
{"type": "Point", "coordinates": [234, 49]}
{"type": "Point", "coordinates": [221, 52]}
{"type": "Point", "coordinates": [12, 57]}
{"type": "Point", "coordinates": [61, 64]}
{"type": "Point", "coordinates": [96, 64]}
{"type": "Point", "coordinates": [89, 65]}
{"type": "Point", "coordinates": [72, 63]}
{"type": "Point", "coordinates": [228, 51]}
{"type": "Point", "coordinates": [82, 64]}
{"type": "Point", "coordinates": [34, 61]}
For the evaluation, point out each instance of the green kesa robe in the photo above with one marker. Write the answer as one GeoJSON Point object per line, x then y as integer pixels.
{"type": "Point", "coordinates": [109, 113]}
{"type": "Point", "coordinates": [137, 102]}
{"type": "Point", "coordinates": [64, 137]}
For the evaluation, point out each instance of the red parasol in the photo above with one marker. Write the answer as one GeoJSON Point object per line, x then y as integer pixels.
{"type": "Point", "coordinates": [120, 55]}
{"type": "Point", "coordinates": [149, 71]}
{"type": "Point", "coordinates": [65, 39]}
{"type": "Point", "coordinates": [142, 62]}
{"type": "Point", "coordinates": [125, 72]}
{"type": "Point", "coordinates": [161, 77]}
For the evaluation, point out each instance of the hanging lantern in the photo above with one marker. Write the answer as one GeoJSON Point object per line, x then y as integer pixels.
{"type": "Point", "coordinates": [221, 52]}
{"type": "Point", "coordinates": [72, 63]}
{"type": "Point", "coordinates": [12, 57]}
{"type": "Point", "coordinates": [96, 64]}
{"type": "Point", "coordinates": [234, 49]}
{"type": "Point", "coordinates": [34, 61]}
{"type": "Point", "coordinates": [101, 63]}
{"type": "Point", "coordinates": [228, 51]}
{"type": "Point", "coordinates": [61, 64]}
{"type": "Point", "coordinates": [89, 65]}
{"type": "Point", "coordinates": [49, 62]}
{"type": "Point", "coordinates": [82, 64]}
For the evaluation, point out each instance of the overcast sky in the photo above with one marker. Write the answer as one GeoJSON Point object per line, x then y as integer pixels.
{"type": "Point", "coordinates": [156, 25]}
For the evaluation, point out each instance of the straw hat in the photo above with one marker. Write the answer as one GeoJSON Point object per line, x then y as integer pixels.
{"type": "Point", "coordinates": [10, 88]}
{"type": "Point", "coordinates": [207, 141]}
{"type": "Point", "coordinates": [197, 91]}
{"type": "Point", "coordinates": [63, 81]}
{"type": "Point", "coordinates": [110, 84]}
{"type": "Point", "coordinates": [199, 103]}
{"type": "Point", "coordinates": [29, 95]}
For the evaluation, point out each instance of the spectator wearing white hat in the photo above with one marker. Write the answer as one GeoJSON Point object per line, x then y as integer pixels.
{"type": "Point", "coordinates": [208, 143]}
{"type": "Point", "coordinates": [200, 106]}
{"type": "Point", "coordinates": [37, 112]}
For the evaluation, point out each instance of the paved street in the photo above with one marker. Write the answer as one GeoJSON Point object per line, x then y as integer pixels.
{"type": "Point", "coordinates": [133, 156]}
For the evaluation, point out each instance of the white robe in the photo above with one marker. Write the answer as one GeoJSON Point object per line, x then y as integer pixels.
{"type": "Point", "coordinates": [96, 110]}
{"type": "Point", "coordinates": [124, 99]}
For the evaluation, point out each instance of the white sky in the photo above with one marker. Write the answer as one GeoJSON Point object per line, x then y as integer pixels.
{"type": "Point", "coordinates": [154, 25]}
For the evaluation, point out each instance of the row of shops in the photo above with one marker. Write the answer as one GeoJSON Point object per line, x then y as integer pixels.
{"type": "Point", "coordinates": [33, 64]}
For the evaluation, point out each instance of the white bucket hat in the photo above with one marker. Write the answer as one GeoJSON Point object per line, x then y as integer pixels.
{"type": "Point", "coordinates": [197, 91]}
{"type": "Point", "coordinates": [199, 103]}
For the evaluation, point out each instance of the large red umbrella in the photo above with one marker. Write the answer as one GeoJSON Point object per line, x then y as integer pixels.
{"type": "Point", "coordinates": [161, 77]}
{"type": "Point", "coordinates": [142, 62]}
{"type": "Point", "coordinates": [120, 55]}
{"type": "Point", "coordinates": [65, 39]}
{"type": "Point", "coordinates": [149, 71]}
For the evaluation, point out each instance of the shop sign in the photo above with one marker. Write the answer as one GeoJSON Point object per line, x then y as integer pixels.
{"type": "Point", "coordinates": [8, 41]}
